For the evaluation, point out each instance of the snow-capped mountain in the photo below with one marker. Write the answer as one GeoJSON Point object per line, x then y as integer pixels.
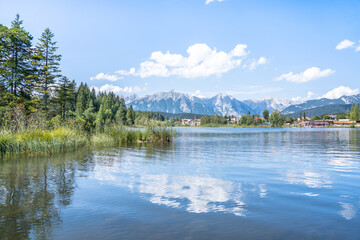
{"type": "Point", "coordinates": [131, 98]}
{"type": "Point", "coordinates": [174, 102]}
{"type": "Point", "coordinates": [269, 103]}
{"type": "Point", "coordinates": [223, 104]}
{"type": "Point", "coordinates": [310, 104]}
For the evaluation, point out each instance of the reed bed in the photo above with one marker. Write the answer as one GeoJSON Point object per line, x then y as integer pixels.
{"type": "Point", "coordinates": [42, 142]}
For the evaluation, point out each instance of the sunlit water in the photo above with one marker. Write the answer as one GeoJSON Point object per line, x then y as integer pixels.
{"type": "Point", "coordinates": [211, 183]}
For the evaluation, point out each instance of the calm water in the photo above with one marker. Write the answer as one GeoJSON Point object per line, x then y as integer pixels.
{"type": "Point", "coordinates": [212, 183]}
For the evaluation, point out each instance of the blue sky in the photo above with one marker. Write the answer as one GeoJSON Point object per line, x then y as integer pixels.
{"type": "Point", "coordinates": [249, 49]}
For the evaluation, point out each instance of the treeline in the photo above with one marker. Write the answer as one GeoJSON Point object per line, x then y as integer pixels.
{"type": "Point", "coordinates": [34, 93]}
{"type": "Point", "coordinates": [216, 119]}
{"type": "Point", "coordinates": [275, 119]}
{"type": "Point", "coordinates": [353, 114]}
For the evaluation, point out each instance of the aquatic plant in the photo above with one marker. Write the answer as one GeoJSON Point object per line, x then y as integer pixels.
{"type": "Point", "coordinates": [40, 142]}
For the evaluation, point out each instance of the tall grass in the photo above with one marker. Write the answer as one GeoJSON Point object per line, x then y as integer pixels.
{"type": "Point", "coordinates": [40, 142]}
{"type": "Point", "coordinates": [36, 142]}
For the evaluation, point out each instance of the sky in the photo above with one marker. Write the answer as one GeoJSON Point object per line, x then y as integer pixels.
{"type": "Point", "coordinates": [300, 49]}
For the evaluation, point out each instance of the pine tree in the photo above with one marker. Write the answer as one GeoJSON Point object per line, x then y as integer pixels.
{"type": "Point", "coordinates": [348, 113]}
{"type": "Point", "coordinates": [83, 96]}
{"type": "Point", "coordinates": [47, 62]}
{"type": "Point", "coordinates": [355, 113]}
{"type": "Point", "coordinates": [100, 119]}
{"type": "Point", "coordinates": [64, 94]}
{"type": "Point", "coordinates": [130, 116]}
{"type": "Point", "coordinates": [121, 113]}
{"type": "Point", "coordinates": [16, 54]}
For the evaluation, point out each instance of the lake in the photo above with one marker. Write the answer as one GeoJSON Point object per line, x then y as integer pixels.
{"type": "Point", "coordinates": [211, 183]}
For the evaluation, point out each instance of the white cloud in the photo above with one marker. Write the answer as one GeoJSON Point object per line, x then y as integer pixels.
{"type": "Point", "coordinates": [309, 74]}
{"type": "Point", "coordinates": [299, 99]}
{"type": "Point", "coordinates": [210, 1]}
{"type": "Point", "coordinates": [109, 77]}
{"type": "Point", "coordinates": [260, 61]}
{"type": "Point", "coordinates": [117, 89]}
{"type": "Point", "coordinates": [197, 93]}
{"type": "Point", "coordinates": [201, 61]}
{"type": "Point", "coordinates": [344, 44]}
{"type": "Point", "coordinates": [358, 48]}
{"type": "Point", "coordinates": [339, 92]}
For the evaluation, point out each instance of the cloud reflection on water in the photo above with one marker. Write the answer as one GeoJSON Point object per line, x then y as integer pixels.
{"type": "Point", "coordinates": [195, 194]}
{"type": "Point", "coordinates": [309, 178]}
{"type": "Point", "coordinates": [348, 210]}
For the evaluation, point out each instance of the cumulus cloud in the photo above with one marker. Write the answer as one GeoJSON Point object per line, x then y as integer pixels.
{"type": "Point", "coordinates": [299, 99]}
{"type": "Point", "coordinates": [201, 61]}
{"type": "Point", "coordinates": [339, 92]}
{"type": "Point", "coordinates": [344, 44]}
{"type": "Point", "coordinates": [117, 89]}
{"type": "Point", "coordinates": [109, 77]}
{"type": "Point", "coordinates": [258, 62]}
{"type": "Point", "coordinates": [309, 74]}
{"type": "Point", "coordinates": [358, 48]}
{"type": "Point", "coordinates": [198, 94]}
{"type": "Point", "coordinates": [210, 1]}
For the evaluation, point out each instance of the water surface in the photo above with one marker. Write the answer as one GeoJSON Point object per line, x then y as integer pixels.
{"type": "Point", "coordinates": [211, 183]}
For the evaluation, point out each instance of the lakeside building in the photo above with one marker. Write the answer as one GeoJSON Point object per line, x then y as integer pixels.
{"type": "Point", "coordinates": [234, 120]}
{"type": "Point", "coordinates": [190, 122]}
{"type": "Point", "coordinates": [303, 119]}
{"type": "Point", "coordinates": [344, 122]}
{"type": "Point", "coordinates": [326, 123]}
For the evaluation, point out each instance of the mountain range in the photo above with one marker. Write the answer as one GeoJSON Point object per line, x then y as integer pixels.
{"type": "Point", "coordinates": [224, 104]}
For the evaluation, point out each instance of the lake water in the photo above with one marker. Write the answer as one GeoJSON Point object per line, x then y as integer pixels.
{"type": "Point", "coordinates": [211, 183]}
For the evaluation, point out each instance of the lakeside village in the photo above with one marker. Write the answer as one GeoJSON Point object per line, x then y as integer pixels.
{"type": "Point", "coordinates": [276, 119]}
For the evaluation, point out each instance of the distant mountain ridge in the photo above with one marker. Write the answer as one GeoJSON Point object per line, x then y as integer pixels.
{"type": "Point", "coordinates": [174, 102]}
{"type": "Point", "coordinates": [223, 104]}
{"type": "Point", "coordinates": [327, 109]}
{"type": "Point", "coordinates": [315, 103]}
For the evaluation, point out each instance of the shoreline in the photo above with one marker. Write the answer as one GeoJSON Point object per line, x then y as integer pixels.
{"type": "Point", "coordinates": [51, 141]}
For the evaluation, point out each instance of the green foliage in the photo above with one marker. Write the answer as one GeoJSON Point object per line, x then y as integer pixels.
{"type": "Point", "coordinates": [266, 114]}
{"type": "Point", "coordinates": [315, 118]}
{"type": "Point", "coordinates": [276, 119]}
{"type": "Point", "coordinates": [251, 120]}
{"type": "Point", "coordinates": [16, 55]}
{"type": "Point", "coordinates": [60, 139]}
{"type": "Point", "coordinates": [130, 116]}
{"type": "Point", "coordinates": [44, 112]}
{"type": "Point", "coordinates": [214, 120]}
{"type": "Point", "coordinates": [355, 113]}
{"type": "Point", "coordinates": [341, 116]}
{"type": "Point", "coordinates": [64, 95]}
{"type": "Point", "coordinates": [47, 63]}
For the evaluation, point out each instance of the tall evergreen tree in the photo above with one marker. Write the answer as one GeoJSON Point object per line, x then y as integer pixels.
{"type": "Point", "coordinates": [16, 53]}
{"type": "Point", "coordinates": [130, 116]}
{"type": "Point", "coordinates": [48, 65]}
{"type": "Point", "coordinates": [100, 119]}
{"type": "Point", "coordinates": [64, 94]}
{"type": "Point", "coordinates": [355, 113]}
{"type": "Point", "coordinates": [121, 113]}
{"type": "Point", "coordinates": [83, 96]}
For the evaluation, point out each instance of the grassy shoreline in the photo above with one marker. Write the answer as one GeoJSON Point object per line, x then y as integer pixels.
{"type": "Point", "coordinates": [253, 126]}
{"type": "Point", "coordinates": [62, 139]}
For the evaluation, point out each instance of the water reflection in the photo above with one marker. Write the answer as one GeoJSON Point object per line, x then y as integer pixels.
{"type": "Point", "coordinates": [32, 194]}
{"type": "Point", "coordinates": [348, 210]}
{"type": "Point", "coordinates": [276, 178]}
{"type": "Point", "coordinates": [308, 178]}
